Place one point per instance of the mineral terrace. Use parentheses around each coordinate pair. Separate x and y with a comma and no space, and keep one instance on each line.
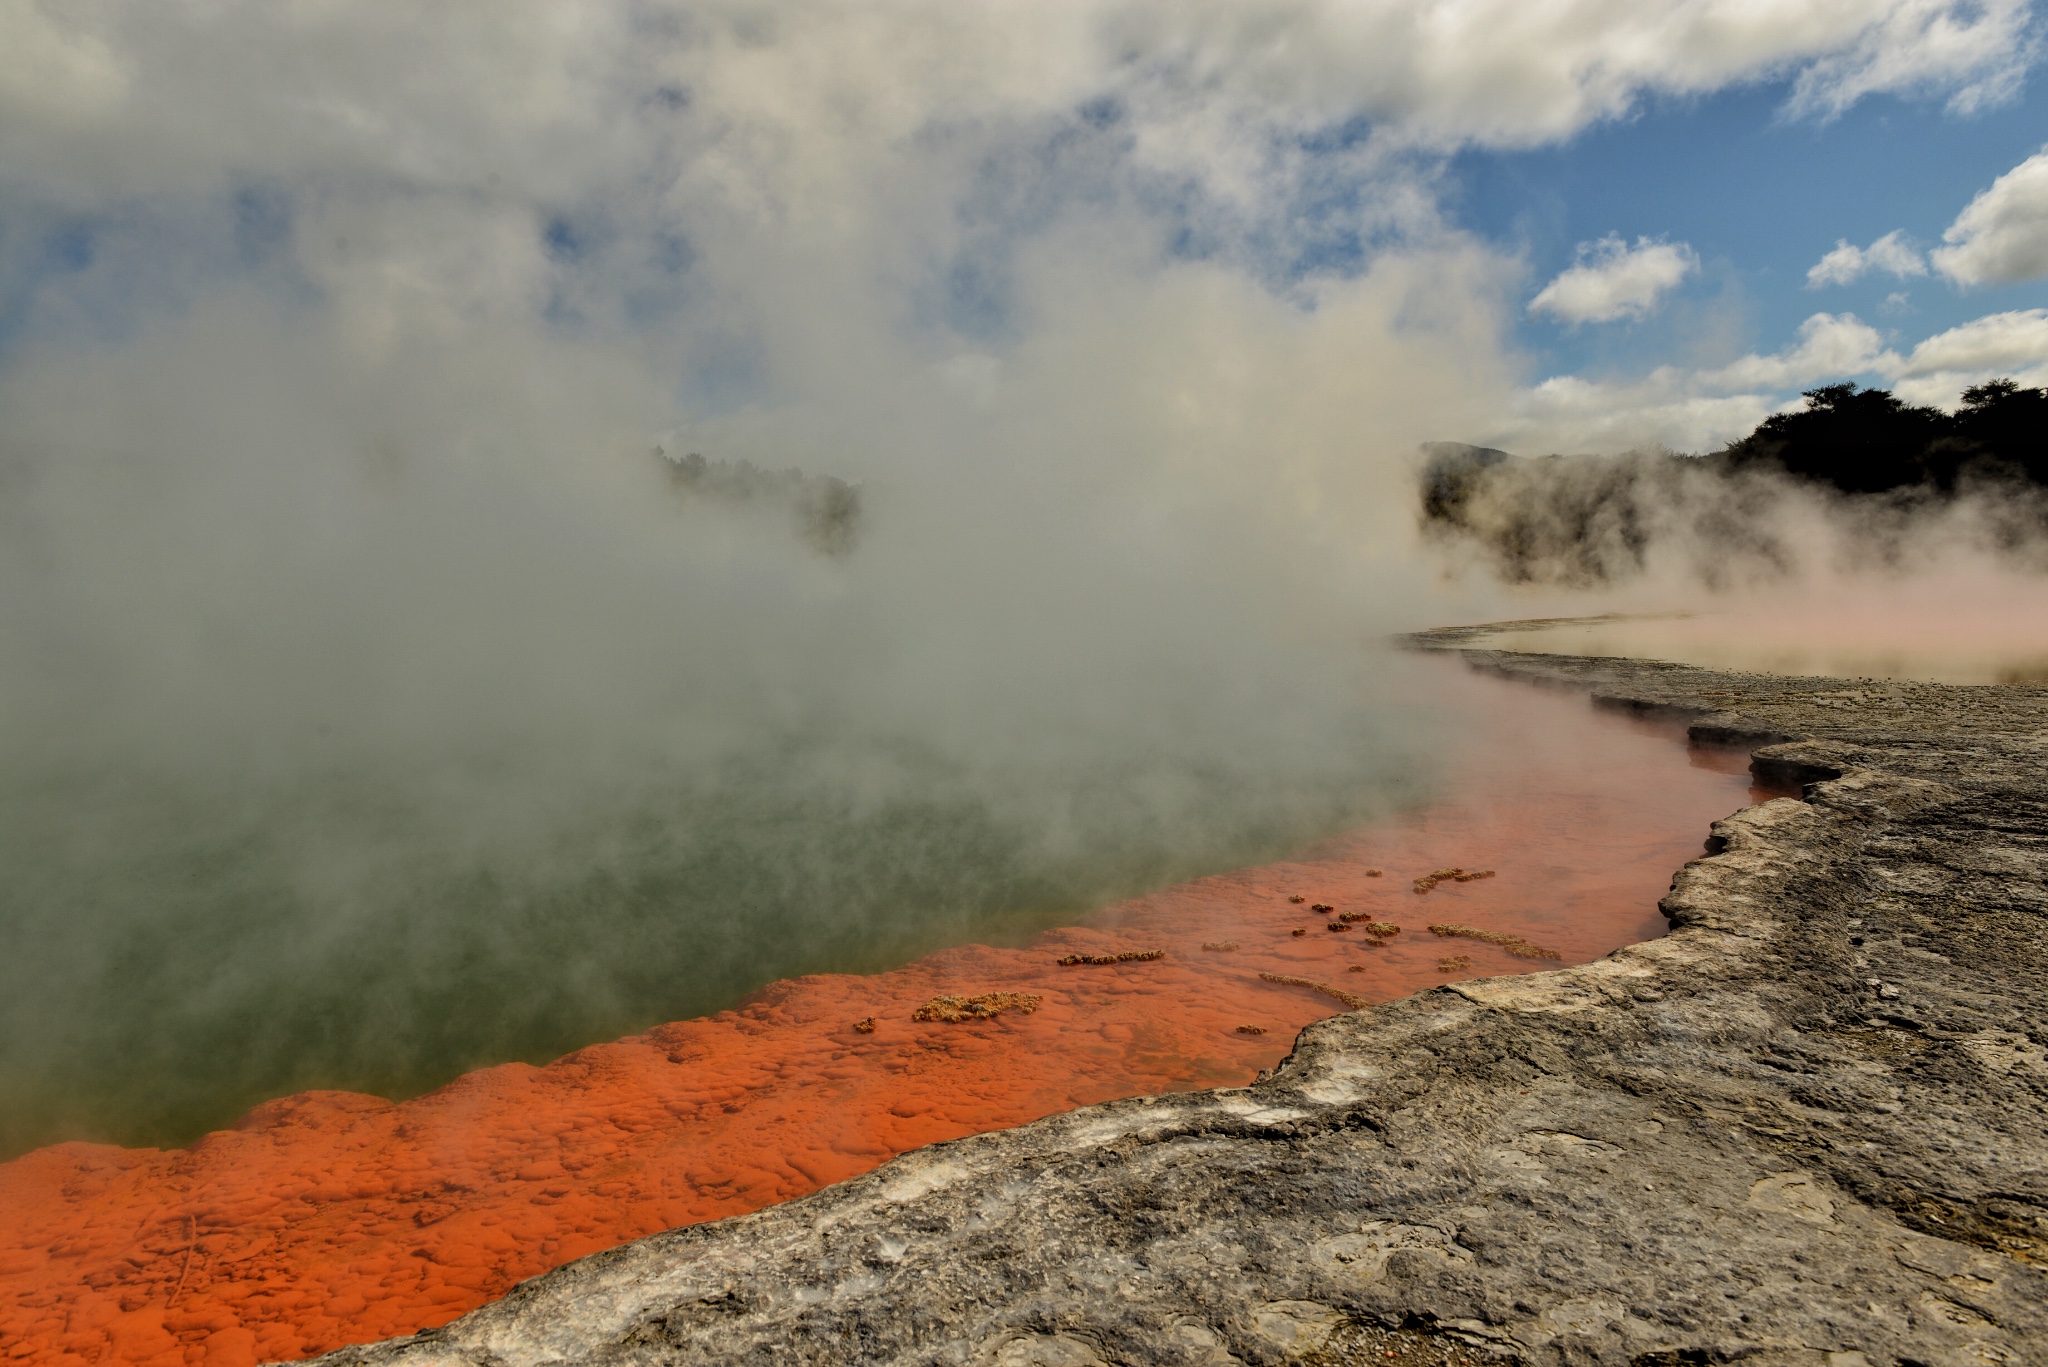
(1808,1126)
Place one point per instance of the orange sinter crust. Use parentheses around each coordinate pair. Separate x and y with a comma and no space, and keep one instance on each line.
(329,1217)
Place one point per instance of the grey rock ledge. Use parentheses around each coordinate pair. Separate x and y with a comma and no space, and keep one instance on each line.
(1809,1126)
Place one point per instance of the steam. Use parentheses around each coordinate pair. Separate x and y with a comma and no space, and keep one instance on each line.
(376,716)
(1651,524)
(373,704)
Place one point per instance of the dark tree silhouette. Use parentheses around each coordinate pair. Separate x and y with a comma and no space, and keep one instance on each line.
(1869,441)
(1862,441)
(2003,429)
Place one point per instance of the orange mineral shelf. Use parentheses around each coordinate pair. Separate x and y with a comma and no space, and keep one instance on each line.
(329,1217)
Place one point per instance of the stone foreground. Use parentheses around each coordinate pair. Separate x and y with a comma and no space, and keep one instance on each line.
(1809,1126)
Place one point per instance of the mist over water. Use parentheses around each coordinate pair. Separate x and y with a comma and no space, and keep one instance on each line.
(375,702)
(182,950)
(357,752)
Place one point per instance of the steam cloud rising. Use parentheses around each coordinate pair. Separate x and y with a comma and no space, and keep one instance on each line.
(1853,481)
(374,704)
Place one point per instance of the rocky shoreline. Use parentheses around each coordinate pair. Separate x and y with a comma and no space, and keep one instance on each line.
(1808,1126)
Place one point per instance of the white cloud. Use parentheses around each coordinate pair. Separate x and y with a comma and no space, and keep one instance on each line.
(144,91)
(1613,280)
(56,69)
(1975,54)
(1847,263)
(1840,266)
(2002,236)
(1510,73)
(1829,346)
(1700,409)
(1997,340)
(2010,345)
(1694,410)
(1568,414)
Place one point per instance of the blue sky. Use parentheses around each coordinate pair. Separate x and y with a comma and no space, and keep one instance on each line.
(1761,197)
(1758,195)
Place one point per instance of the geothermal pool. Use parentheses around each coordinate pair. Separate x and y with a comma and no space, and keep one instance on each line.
(326,1218)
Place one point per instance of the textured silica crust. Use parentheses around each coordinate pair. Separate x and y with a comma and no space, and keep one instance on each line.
(1809,1126)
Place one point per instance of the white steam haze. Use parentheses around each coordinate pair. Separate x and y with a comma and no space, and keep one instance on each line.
(371,706)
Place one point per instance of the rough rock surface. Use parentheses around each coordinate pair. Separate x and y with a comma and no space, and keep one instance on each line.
(1810,1126)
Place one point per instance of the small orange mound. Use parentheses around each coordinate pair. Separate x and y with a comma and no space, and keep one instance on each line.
(1336,993)
(1513,944)
(985,1007)
(1454,875)
(1129,956)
